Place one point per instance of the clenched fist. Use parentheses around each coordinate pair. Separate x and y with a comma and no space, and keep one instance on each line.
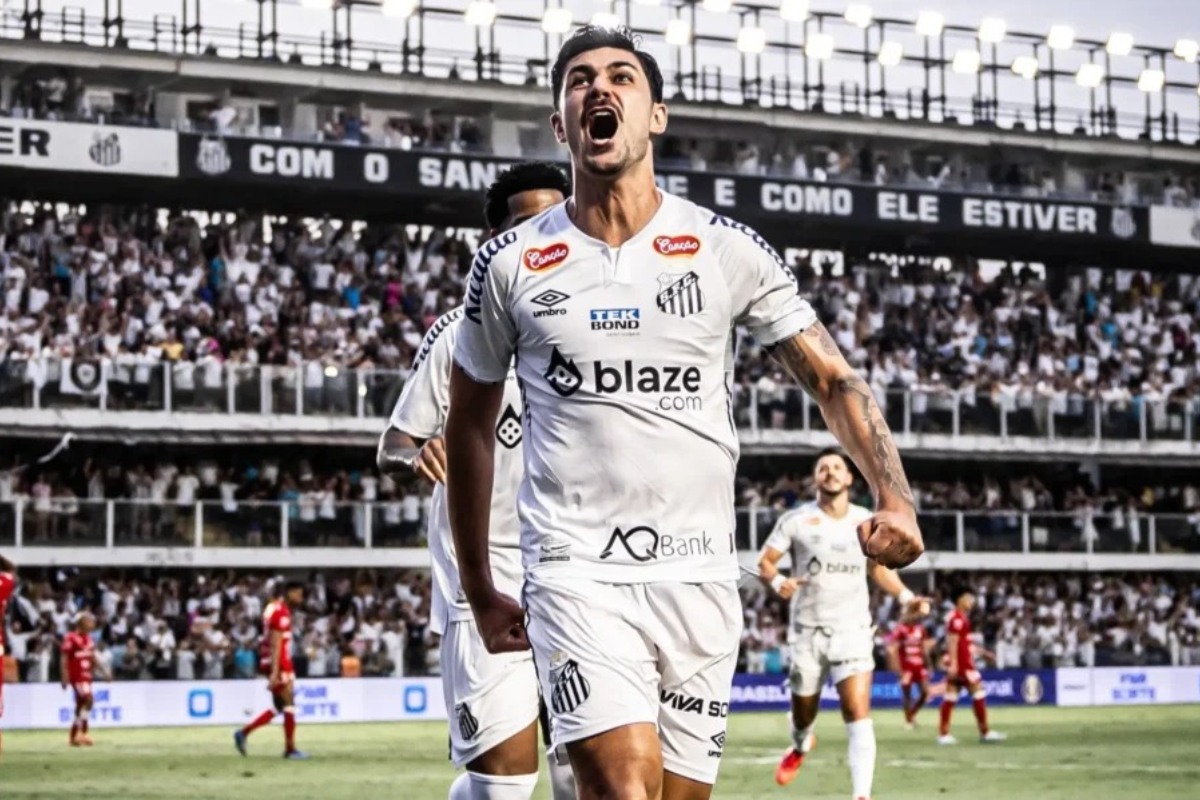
(501,624)
(892,538)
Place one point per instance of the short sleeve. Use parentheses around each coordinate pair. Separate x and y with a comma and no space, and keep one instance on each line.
(956,625)
(7,584)
(488,337)
(780,538)
(765,295)
(421,410)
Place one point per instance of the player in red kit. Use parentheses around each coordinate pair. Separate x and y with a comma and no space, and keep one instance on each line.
(275,661)
(908,655)
(78,661)
(961,673)
(8,582)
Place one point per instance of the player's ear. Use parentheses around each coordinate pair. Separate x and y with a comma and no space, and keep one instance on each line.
(560,130)
(658,119)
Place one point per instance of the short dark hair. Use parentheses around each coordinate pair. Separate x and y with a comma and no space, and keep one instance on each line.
(524,177)
(957,592)
(835,451)
(594,37)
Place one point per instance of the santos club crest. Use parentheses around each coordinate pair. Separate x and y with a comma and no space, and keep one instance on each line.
(680,295)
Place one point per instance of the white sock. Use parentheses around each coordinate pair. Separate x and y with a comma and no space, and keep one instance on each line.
(562,779)
(473,786)
(800,738)
(861,754)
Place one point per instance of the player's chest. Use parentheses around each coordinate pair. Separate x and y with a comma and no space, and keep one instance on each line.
(633,298)
(830,550)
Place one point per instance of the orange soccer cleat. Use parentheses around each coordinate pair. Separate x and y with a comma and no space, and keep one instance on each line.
(791,762)
(85,740)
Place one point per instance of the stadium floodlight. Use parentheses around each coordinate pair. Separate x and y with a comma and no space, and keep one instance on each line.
(819,46)
(890,53)
(751,39)
(992,30)
(557,20)
(679,32)
(1152,80)
(1026,67)
(858,14)
(605,19)
(480,13)
(930,23)
(398,9)
(1090,75)
(1060,37)
(793,10)
(966,62)
(718,6)
(1188,50)
(1119,44)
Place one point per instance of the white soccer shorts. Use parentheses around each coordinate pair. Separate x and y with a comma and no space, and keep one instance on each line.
(818,653)
(610,655)
(489,698)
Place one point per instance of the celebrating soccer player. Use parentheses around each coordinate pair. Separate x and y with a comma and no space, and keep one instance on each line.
(493,699)
(908,656)
(621,304)
(275,661)
(78,661)
(831,634)
(961,673)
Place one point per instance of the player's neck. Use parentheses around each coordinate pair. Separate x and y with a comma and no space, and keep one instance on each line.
(615,211)
(835,506)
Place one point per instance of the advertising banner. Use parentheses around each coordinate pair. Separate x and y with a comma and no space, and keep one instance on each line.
(1175,227)
(84,147)
(1004,687)
(751,199)
(1128,686)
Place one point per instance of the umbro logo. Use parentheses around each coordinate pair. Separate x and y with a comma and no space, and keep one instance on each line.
(549,299)
(718,741)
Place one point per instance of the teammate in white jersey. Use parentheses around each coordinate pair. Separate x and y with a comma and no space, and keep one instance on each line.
(620,306)
(830,633)
(494,699)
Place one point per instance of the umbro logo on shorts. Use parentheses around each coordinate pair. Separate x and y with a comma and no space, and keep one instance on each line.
(508,429)
(468,726)
(568,687)
(680,294)
(718,741)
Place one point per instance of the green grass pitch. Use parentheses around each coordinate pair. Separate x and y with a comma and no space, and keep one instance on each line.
(1053,754)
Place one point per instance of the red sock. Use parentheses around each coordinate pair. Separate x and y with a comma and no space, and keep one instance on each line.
(947,710)
(980,704)
(262,719)
(289,730)
(74,730)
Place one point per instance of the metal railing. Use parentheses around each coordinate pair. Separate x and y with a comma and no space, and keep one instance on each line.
(316,389)
(429,56)
(74,522)
(71,522)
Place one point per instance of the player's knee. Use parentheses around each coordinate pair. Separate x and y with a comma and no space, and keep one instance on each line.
(501,787)
(979,694)
(632,776)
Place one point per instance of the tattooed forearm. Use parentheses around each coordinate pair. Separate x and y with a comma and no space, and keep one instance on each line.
(849,409)
(878,437)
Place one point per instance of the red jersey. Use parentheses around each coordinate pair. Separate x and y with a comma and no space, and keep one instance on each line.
(79,650)
(911,641)
(276,617)
(959,625)
(8,582)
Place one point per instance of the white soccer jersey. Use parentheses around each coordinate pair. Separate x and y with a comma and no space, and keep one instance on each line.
(421,413)
(625,359)
(827,554)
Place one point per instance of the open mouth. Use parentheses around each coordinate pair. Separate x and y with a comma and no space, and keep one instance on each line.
(601,125)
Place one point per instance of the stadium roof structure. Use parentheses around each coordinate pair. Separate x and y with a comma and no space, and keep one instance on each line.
(778,54)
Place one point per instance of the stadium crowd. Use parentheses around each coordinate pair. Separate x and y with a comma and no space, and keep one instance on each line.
(197,625)
(144,289)
(208,625)
(1026,620)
